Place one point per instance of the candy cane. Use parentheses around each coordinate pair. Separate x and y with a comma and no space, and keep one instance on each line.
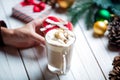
(53,23)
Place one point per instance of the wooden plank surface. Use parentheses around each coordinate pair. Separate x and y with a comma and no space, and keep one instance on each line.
(91,58)
(100,50)
(85,54)
(5,71)
(15,68)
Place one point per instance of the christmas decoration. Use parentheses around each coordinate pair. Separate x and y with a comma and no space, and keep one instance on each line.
(52,22)
(114,32)
(100,27)
(28,10)
(65,4)
(115,73)
(77,11)
(116,61)
(91,8)
(102,15)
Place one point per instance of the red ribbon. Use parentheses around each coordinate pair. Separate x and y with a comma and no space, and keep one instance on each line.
(37,6)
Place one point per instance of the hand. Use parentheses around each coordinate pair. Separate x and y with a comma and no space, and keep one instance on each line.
(24,37)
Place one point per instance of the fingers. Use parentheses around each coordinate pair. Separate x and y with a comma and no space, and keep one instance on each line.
(38,38)
(37,22)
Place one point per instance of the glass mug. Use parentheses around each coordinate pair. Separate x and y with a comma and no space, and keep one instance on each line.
(59,57)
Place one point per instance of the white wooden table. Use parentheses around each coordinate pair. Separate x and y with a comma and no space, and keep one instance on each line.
(91,58)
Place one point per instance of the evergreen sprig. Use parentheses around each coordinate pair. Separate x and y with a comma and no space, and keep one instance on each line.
(76,12)
(90,16)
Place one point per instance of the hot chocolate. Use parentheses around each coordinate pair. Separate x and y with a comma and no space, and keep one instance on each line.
(59,44)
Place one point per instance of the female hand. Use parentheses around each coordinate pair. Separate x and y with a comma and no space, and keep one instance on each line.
(24,37)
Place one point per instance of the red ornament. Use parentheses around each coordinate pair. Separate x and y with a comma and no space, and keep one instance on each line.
(68,25)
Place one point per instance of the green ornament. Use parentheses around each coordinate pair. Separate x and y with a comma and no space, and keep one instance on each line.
(102,15)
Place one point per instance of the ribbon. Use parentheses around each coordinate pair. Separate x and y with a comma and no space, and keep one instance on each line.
(38,6)
(60,24)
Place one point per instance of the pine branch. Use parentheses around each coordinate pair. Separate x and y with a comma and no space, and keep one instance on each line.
(78,7)
(116,9)
(76,12)
(78,15)
(89,19)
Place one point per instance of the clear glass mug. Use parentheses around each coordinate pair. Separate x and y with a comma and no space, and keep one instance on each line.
(59,57)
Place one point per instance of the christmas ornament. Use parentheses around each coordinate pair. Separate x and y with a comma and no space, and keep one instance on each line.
(99,28)
(65,4)
(102,15)
(52,22)
(114,32)
(115,73)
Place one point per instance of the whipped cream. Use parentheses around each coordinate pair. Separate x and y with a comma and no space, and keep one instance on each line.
(60,37)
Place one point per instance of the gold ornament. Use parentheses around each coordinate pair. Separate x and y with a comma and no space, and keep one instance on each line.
(100,27)
(65,3)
